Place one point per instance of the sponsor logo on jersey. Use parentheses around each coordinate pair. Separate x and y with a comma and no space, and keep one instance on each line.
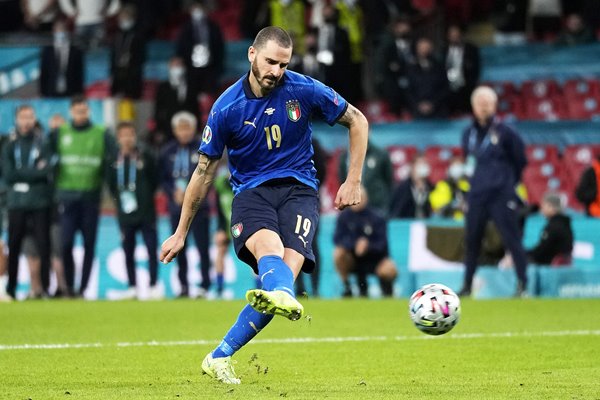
(237,229)
(269,111)
(293,110)
(206,135)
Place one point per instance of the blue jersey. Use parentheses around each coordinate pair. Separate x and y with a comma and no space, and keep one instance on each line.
(270,137)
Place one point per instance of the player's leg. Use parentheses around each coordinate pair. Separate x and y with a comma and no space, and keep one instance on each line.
(344,264)
(200,231)
(182,262)
(70,212)
(476,219)
(89,231)
(504,215)
(386,271)
(128,233)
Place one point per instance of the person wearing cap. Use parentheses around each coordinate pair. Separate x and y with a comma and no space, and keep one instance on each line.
(556,241)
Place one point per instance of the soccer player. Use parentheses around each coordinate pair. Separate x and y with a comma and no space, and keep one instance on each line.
(264,120)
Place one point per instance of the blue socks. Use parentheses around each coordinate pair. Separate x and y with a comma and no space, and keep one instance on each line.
(248,324)
(274,275)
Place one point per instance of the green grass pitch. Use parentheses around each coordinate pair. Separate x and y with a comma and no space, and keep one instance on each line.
(355,349)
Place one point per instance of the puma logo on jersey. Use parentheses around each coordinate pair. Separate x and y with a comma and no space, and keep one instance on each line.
(304,242)
(251,123)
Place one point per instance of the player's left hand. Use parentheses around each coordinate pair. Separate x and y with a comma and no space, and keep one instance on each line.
(348,195)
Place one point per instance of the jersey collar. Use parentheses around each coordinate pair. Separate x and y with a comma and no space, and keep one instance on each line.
(248,91)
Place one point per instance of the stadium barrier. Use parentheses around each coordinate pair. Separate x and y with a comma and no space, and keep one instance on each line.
(417,265)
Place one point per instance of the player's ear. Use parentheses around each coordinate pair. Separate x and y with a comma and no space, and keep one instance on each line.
(251,54)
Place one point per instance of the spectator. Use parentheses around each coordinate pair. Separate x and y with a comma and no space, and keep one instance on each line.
(27,172)
(39,15)
(178,160)
(201,47)
(88,17)
(587,191)
(427,92)
(498,154)
(377,175)
(510,19)
(290,14)
(575,32)
(3,270)
(462,69)
(82,150)
(132,179)
(128,54)
(545,18)
(333,54)
(361,247)
(393,57)
(411,198)
(222,237)
(448,198)
(351,19)
(556,241)
(308,64)
(172,96)
(61,65)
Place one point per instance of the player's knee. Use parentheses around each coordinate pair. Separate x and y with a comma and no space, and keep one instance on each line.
(387,269)
(342,258)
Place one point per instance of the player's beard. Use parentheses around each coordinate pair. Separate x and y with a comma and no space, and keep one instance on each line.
(264,83)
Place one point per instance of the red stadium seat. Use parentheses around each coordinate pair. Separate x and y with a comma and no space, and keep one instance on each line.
(377,111)
(577,158)
(541,89)
(401,157)
(546,109)
(538,154)
(581,88)
(436,154)
(584,107)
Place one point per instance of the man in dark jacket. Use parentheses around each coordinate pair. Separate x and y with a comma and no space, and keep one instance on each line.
(587,190)
(132,179)
(61,65)
(462,68)
(361,247)
(556,241)
(496,154)
(27,172)
(410,199)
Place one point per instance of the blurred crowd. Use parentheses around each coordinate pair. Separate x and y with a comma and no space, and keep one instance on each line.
(413,54)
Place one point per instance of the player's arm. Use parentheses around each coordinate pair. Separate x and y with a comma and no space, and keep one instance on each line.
(196,191)
(358,132)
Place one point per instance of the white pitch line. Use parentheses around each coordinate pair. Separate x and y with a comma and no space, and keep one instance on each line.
(341,339)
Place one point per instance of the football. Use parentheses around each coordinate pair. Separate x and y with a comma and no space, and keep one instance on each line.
(434,309)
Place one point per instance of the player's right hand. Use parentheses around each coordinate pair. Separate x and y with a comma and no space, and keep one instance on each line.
(348,195)
(171,247)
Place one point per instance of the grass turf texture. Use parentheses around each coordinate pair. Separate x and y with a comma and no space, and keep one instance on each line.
(398,362)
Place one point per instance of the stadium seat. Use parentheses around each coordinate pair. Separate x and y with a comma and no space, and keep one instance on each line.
(577,158)
(541,89)
(581,88)
(401,157)
(377,111)
(587,107)
(546,109)
(538,154)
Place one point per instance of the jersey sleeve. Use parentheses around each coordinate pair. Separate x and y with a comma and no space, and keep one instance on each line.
(214,135)
(328,103)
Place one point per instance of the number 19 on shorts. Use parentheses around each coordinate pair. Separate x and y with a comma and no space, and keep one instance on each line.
(302,226)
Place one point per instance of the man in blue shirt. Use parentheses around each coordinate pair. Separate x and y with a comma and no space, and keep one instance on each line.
(496,155)
(264,120)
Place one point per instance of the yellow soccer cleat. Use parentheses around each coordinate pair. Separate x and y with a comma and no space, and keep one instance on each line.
(276,302)
(221,369)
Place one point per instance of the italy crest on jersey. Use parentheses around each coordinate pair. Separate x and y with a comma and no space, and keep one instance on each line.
(293,110)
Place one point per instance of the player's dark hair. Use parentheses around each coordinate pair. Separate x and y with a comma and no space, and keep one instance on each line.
(23,107)
(125,124)
(279,35)
(78,99)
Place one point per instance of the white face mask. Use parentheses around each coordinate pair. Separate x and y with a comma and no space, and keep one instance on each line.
(176,73)
(126,24)
(456,171)
(422,170)
(197,14)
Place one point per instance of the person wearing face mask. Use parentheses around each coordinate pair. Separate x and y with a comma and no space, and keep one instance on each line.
(392,58)
(172,96)
(428,89)
(410,199)
(177,163)
(128,54)
(28,174)
(448,197)
(496,154)
(201,46)
(82,150)
(61,65)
